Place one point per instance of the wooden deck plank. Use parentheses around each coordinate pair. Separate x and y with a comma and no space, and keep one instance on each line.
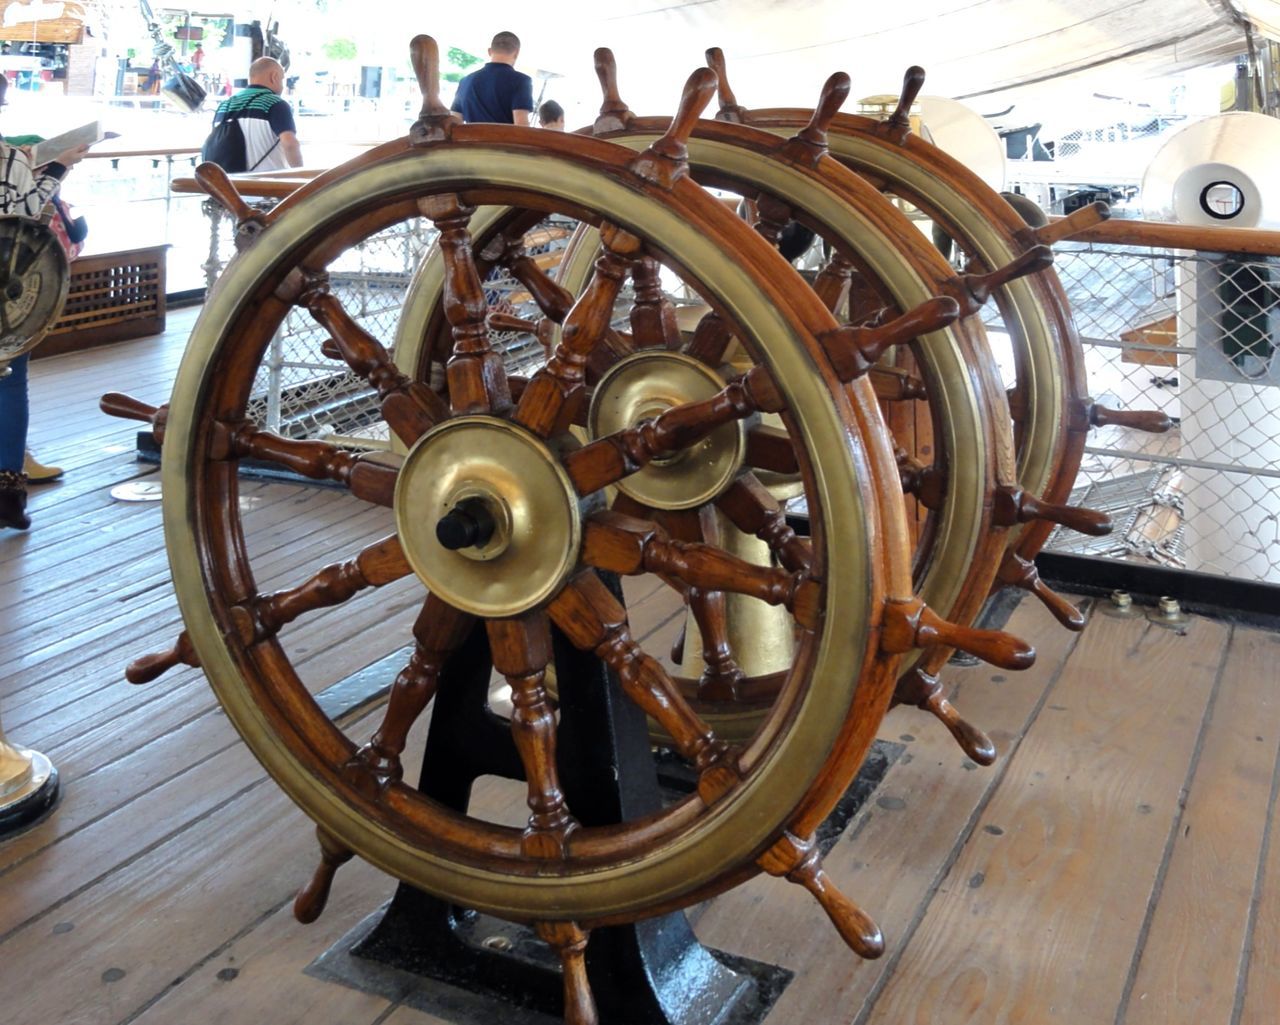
(1258,991)
(259,977)
(894,853)
(1190,965)
(1040,914)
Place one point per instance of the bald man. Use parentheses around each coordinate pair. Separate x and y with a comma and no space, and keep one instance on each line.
(265,119)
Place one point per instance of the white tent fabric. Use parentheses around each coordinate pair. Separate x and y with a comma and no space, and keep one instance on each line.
(780,52)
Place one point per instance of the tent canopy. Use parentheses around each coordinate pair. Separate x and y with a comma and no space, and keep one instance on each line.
(779,53)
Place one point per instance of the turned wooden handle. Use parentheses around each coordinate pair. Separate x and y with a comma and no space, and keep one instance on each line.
(506,322)
(854,350)
(912,83)
(1019,572)
(973,741)
(1150,420)
(697,93)
(666,161)
(152,667)
(910,623)
(715,61)
(993,646)
(1074,223)
(312,898)
(1074,517)
(126,407)
(424,54)
(607,73)
(1011,506)
(854,925)
(931,315)
(329,347)
(213,180)
(834,92)
(570,943)
(1037,258)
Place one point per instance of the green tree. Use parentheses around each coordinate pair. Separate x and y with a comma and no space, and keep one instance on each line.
(340,50)
(461,60)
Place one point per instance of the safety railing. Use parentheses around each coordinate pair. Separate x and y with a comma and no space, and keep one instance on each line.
(1186,320)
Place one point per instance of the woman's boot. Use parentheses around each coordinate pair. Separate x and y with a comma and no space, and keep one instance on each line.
(13,500)
(37,472)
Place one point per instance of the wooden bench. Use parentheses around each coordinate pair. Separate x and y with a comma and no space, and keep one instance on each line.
(112,297)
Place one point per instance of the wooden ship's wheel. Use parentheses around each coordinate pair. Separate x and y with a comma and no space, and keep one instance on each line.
(961,547)
(34,278)
(500,513)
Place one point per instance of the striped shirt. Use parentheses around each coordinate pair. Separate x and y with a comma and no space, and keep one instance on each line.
(262,116)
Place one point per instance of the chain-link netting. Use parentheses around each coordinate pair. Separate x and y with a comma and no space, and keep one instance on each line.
(1192,334)
(301,393)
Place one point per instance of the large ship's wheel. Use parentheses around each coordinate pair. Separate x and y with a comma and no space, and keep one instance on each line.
(499,513)
(34,278)
(962,547)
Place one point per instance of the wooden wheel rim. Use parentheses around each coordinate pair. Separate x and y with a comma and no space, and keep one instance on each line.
(694,858)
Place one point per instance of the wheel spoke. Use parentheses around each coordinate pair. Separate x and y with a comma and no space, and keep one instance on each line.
(1011,505)
(711,340)
(770,448)
(367,479)
(594,620)
(833,281)
(553,396)
(754,511)
(377,565)
(439,629)
(972,290)
(521,650)
(893,384)
(410,408)
(653,317)
(477,378)
(507,250)
(854,350)
(926,483)
(570,944)
(621,544)
(618,455)
(721,673)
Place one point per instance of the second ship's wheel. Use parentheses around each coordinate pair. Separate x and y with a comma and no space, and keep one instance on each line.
(956,560)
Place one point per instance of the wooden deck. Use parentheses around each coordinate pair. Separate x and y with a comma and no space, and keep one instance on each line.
(1116,865)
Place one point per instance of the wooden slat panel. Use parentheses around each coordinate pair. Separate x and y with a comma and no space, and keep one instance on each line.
(1042,910)
(1191,962)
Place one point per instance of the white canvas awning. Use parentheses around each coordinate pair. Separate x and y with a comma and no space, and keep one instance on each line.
(780,52)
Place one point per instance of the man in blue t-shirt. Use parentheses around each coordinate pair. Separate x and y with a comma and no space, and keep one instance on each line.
(497,92)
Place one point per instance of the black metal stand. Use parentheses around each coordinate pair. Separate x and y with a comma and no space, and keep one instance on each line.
(650,973)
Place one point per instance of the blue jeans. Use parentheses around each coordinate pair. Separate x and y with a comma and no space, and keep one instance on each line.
(14,415)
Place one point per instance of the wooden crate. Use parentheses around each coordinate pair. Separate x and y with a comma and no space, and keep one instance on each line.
(113,297)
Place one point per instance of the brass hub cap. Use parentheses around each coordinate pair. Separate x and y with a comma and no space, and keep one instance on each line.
(487,516)
(647,384)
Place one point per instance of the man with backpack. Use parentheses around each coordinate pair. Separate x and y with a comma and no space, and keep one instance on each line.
(254,130)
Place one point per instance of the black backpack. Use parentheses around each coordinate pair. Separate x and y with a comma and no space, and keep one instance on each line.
(225,147)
